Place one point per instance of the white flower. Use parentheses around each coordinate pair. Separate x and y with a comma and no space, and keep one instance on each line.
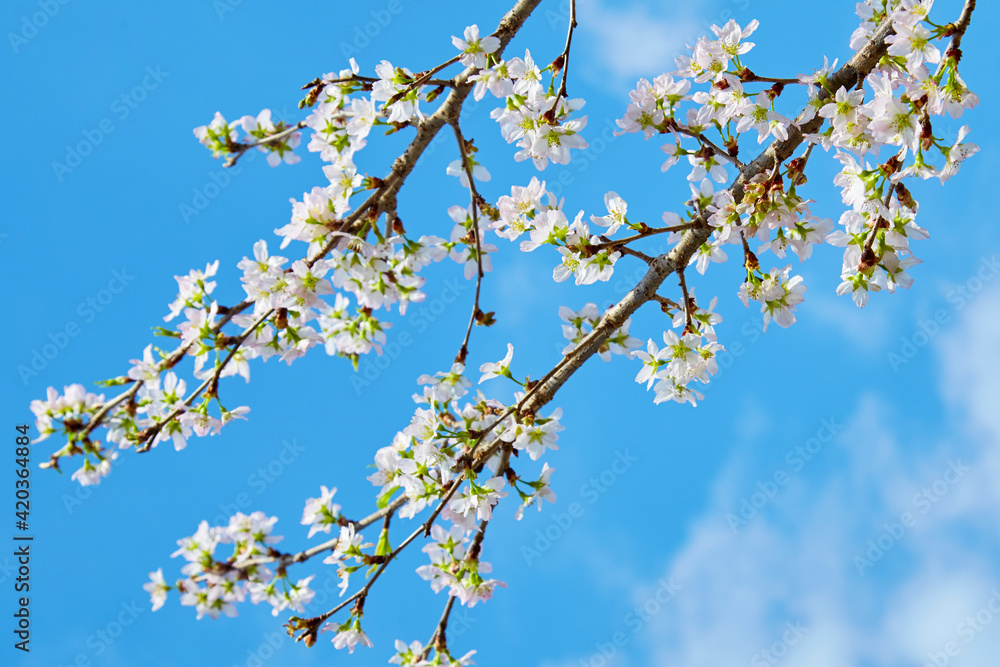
(394,81)
(479,499)
(320,514)
(491,370)
(914,43)
(350,635)
(479,172)
(474,48)
(144,369)
(894,123)
(157,589)
(778,295)
(89,474)
(759,116)
(617,207)
(542,492)
(538,437)
(730,35)
(844,107)
(217,135)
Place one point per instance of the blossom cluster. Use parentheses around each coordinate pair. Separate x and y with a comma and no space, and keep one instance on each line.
(687,356)
(534,116)
(423,461)
(214,585)
(891,113)
(579,324)
(533,210)
(451,567)
(277,140)
(456,456)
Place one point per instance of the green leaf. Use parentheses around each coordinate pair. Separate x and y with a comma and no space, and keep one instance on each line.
(385,498)
(114,382)
(383,547)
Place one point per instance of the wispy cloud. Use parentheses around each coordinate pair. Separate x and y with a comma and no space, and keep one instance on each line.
(627,42)
(865,328)
(971,363)
(788,588)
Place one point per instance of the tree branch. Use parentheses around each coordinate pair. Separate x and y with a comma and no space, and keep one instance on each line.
(243,148)
(854,71)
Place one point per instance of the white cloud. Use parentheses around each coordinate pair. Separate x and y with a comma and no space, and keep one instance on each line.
(795,561)
(971,362)
(636,41)
(753,419)
(866,328)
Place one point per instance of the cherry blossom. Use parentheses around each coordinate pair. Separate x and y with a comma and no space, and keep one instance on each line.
(217,136)
(349,635)
(355,269)
(496,369)
(475,48)
(157,589)
(320,514)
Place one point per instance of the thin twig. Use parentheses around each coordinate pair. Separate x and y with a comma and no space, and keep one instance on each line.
(464,350)
(450,83)
(649,231)
(243,148)
(422,80)
(665,303)
(705,141)
(150,433)
(437,640)
(565,58)
(686,300)
(363,592)
(753,78)
(960,26)
(625,250)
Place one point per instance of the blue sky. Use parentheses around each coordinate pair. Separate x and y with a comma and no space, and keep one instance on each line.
(650,560)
